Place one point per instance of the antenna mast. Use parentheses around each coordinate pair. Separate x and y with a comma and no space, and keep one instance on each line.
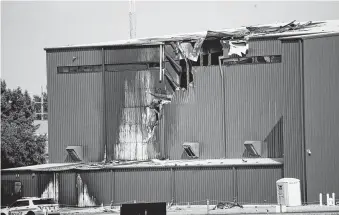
(132,19)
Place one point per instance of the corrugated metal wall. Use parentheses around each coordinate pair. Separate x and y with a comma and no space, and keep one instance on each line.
(196,116)
(67,189)
(264,47)
(132,55)
(181,185)
(29,184)
(293,132)
(46,185)
(128,115)
(321,82)
(99,185)
(75,105)
(150,185)
(196,185)
(257,185)
(253,107)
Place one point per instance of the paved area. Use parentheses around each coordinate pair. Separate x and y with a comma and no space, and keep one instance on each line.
(202,210)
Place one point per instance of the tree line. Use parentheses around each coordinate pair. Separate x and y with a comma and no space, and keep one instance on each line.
(20,145)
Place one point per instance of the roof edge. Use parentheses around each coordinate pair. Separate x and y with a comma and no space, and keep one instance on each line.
(310,36)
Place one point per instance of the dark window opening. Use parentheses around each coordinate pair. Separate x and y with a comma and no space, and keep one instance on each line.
(79,69)
(154,65)
(252,60)
(196,63)
(205,60)
(215,58)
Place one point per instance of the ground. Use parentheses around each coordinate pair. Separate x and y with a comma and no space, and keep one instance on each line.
(202,210)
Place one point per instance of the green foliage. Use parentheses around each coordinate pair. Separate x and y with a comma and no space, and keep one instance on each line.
(20,146)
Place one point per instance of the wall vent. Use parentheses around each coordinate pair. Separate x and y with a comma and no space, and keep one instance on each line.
(75,152)
(192,149)
(256,148)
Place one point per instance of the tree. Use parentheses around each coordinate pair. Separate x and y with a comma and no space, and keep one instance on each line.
(20,146)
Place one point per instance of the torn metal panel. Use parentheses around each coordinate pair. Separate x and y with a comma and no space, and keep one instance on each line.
(292,26)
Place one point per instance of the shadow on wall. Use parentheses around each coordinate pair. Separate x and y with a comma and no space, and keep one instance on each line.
(273,143)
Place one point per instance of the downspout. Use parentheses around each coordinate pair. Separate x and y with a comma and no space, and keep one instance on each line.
(303,145)
(104,130)
(223,105)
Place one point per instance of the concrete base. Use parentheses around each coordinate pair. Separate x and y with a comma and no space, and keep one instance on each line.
(280,209)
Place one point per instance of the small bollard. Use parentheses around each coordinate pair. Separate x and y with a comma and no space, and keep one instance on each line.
(320,199)
(188,205)
(333,197)
(208,204)
(135,201)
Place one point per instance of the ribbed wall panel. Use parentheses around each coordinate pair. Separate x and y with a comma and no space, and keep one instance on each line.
(29,184)
(67,189)
(264,47)
(128,115)
(44,181)
(321,75)
(196,185)
(151,185)
(196,116)
(253,107)
(75,106)
(99,185)
(293,132)
(257,185)
(132,55)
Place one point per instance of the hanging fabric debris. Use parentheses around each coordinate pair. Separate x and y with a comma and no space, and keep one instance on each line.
(239,48)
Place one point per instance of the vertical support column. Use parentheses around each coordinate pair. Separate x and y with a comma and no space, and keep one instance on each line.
(235,184)
(172,185)
(303,142)
(104,130)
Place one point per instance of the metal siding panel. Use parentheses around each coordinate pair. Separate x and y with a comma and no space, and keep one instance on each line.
(196,185)
(67,189)
(44,184)
(99,185)
(75,106)
(127,99)
(321,66)
(29,184)
(293,131)
(264,47)
(142,185)
(257,185)
(132,55)
(253,107)
(196,116)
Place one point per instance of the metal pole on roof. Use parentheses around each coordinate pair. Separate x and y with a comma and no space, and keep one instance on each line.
(132,20)
(42,103)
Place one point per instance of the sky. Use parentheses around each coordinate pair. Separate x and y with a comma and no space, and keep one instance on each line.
(28,27)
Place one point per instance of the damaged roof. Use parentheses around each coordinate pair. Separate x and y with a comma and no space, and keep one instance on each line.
(151,164)
(259,31)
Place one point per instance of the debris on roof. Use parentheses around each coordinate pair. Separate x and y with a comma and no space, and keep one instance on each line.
(277,30)
(154,163)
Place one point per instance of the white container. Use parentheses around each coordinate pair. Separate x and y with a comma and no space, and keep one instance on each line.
(288,192)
